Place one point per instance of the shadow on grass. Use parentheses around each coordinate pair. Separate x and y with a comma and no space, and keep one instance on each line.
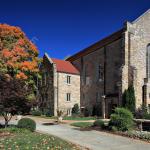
(83,129)
(50,123)
(10,126)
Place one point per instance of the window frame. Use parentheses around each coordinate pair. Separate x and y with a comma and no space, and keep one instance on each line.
(69,110)
(68,79)
(68,97)
(100,73)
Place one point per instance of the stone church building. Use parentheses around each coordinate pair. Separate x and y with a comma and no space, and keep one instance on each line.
(106,68)
(111,65)
(60,86)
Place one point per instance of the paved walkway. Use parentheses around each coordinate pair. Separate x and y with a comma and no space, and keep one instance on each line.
(93,139)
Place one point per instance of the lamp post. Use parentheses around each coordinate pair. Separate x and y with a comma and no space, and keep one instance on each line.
(103,107)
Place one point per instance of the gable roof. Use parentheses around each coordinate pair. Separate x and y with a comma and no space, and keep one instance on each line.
(97,45)
(65,66)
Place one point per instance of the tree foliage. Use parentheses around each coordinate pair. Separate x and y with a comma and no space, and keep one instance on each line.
(129,99)
(13,97)
(76,109)
(18,55)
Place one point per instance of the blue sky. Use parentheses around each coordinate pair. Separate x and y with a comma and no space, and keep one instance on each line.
(64,27)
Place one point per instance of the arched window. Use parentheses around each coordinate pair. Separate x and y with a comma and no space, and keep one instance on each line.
(148,61)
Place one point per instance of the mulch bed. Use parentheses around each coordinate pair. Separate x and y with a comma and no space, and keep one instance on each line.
(5,134)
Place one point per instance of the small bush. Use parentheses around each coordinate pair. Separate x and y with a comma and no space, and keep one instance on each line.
(27,123)
(75,109)
(147,116)
(99,123)
(114,129)
(48,113)
(140,112)
(88,111)
(122,119)
(36,113)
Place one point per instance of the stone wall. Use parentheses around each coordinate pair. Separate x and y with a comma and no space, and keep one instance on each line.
(54,87)
(124,62)
(64,88)
(138,40)
(109,58)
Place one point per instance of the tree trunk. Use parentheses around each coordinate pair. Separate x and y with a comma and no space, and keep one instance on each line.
(7,117)
(6,123)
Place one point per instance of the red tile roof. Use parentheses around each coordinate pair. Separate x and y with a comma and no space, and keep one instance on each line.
(65,66)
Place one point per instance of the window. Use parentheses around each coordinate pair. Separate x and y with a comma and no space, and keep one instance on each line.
(148,61)
(85,74)
(100,73)
(149,108)
(97,96)
(68,96)
(69,112)
(44,78)
(68,79)
(83,96)
(46,97)
(87,80)
(43,81)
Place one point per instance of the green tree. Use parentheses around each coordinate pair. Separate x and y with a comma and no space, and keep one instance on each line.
(13,97)
(129,99)
(121,120)
(75,109)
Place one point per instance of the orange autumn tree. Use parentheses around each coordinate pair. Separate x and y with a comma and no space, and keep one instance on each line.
(18,55)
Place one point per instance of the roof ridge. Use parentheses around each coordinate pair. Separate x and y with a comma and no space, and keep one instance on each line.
(60,59)
(47,56)
(141,15)
(99,44)
(65,66)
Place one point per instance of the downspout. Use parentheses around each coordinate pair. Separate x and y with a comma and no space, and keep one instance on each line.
(105,70)
(57,88)
(104,90)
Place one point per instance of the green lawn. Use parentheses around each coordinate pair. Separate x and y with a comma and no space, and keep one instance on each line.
(78,118)
(21,139)
(69,118)
(82,124)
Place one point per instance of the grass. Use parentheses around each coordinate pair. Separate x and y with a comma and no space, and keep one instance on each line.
(69,118)
(78,118)
(82,124)
(21,139)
